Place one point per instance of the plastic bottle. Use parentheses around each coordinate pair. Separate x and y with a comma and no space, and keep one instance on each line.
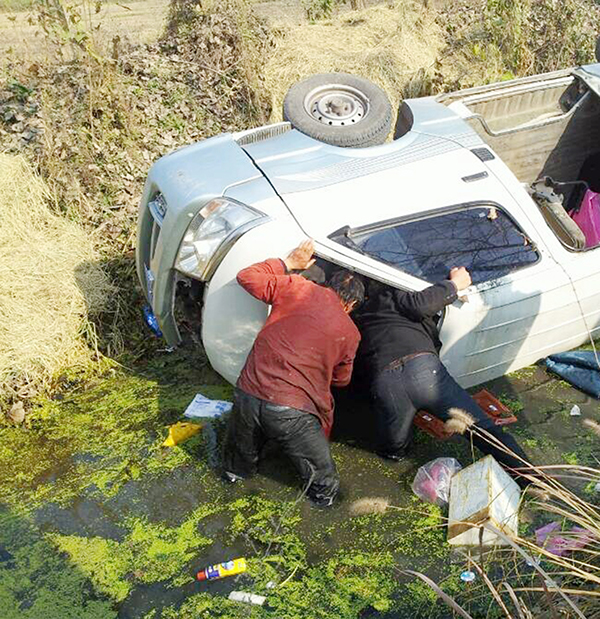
(247,598)
(221,570)
(151,321)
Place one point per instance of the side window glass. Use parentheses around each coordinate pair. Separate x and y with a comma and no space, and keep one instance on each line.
(481,238)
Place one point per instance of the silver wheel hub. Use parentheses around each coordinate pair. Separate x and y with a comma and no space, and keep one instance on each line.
(336,105)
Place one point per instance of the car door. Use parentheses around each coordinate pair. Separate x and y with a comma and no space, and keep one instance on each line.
(398,230)
(515,310)
(521,305)
(582,269)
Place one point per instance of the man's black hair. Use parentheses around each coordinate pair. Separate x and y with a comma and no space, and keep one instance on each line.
(349,286)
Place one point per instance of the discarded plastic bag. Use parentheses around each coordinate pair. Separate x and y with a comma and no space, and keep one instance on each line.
(202,407)
(181,431)
(560,542)
(587,217)
(432,481)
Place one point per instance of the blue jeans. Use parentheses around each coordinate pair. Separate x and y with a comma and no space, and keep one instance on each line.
(423,383)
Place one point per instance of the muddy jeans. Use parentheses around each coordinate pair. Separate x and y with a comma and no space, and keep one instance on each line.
(298,433)
(423,383)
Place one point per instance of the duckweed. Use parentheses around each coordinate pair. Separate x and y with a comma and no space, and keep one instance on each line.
(97,513)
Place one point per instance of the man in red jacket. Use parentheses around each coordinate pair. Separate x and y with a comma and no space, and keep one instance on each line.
(307,344)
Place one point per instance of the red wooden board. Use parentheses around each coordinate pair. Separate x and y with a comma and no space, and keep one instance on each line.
(490,405)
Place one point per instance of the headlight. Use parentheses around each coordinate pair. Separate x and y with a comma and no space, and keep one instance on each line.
(211,233)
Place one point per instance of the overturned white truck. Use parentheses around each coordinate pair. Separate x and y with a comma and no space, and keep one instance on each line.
(460,184)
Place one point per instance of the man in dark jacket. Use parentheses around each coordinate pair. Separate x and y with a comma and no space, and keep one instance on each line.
(307,344)
(399,347)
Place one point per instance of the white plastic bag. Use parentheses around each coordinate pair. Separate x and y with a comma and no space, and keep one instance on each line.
(201,407)
(432,481)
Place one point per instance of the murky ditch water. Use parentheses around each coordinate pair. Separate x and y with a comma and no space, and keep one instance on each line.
(138,504)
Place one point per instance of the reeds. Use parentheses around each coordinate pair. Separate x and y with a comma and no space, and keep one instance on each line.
(541,582)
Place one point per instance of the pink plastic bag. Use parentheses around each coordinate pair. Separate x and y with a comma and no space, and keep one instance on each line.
(432,481)
(587,217)
(560,542)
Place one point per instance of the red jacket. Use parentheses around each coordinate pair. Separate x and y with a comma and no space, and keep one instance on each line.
(307,344)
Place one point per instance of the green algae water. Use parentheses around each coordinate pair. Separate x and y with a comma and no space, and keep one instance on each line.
(99,521)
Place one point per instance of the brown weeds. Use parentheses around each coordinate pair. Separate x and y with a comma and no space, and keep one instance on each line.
(50,280)
(562,585)
(388,44)
(92,125)
(492,40)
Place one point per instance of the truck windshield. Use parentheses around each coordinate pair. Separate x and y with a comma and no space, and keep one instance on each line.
(481,238)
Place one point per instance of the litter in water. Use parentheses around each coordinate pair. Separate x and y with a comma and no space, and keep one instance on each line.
(482,493)
(432,481)
(248,598)
(222,570)
(181,431)
(560,542)
(202,407)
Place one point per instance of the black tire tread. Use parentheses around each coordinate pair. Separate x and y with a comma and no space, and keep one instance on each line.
(363,134)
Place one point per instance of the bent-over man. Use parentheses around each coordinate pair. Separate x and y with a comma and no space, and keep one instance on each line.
(307,344)
(399,349)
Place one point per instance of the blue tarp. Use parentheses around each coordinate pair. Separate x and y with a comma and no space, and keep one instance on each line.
(578,367)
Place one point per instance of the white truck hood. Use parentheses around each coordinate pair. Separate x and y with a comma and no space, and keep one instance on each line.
(327,188)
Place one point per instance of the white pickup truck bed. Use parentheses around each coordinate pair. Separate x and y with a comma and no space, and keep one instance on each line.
(540,126)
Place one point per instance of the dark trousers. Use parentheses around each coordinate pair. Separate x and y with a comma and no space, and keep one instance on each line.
(298,433)
(423,383)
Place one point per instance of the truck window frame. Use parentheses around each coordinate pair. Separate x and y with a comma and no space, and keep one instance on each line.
(346,236)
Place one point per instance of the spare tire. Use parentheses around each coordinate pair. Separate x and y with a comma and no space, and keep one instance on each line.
(339,109)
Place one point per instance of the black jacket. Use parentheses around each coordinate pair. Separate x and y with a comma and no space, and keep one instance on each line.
(394,323)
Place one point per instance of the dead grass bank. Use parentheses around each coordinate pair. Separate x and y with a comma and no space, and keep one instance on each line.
(389,44)
(91,123)
(492,40)
(50,280)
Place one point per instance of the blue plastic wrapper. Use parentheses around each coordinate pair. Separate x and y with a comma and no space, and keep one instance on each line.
(579,368)
(150,320)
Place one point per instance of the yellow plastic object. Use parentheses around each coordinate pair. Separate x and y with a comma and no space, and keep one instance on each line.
(222,570)
(181,431)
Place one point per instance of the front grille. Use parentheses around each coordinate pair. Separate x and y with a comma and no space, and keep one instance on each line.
(154,239)
(158,209)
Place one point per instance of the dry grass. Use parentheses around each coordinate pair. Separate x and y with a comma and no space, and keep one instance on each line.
(535,581)
(369,505)
(388,44)
(49,280)
(492,40)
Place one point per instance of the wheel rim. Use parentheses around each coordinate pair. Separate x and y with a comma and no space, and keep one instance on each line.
(336,105)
